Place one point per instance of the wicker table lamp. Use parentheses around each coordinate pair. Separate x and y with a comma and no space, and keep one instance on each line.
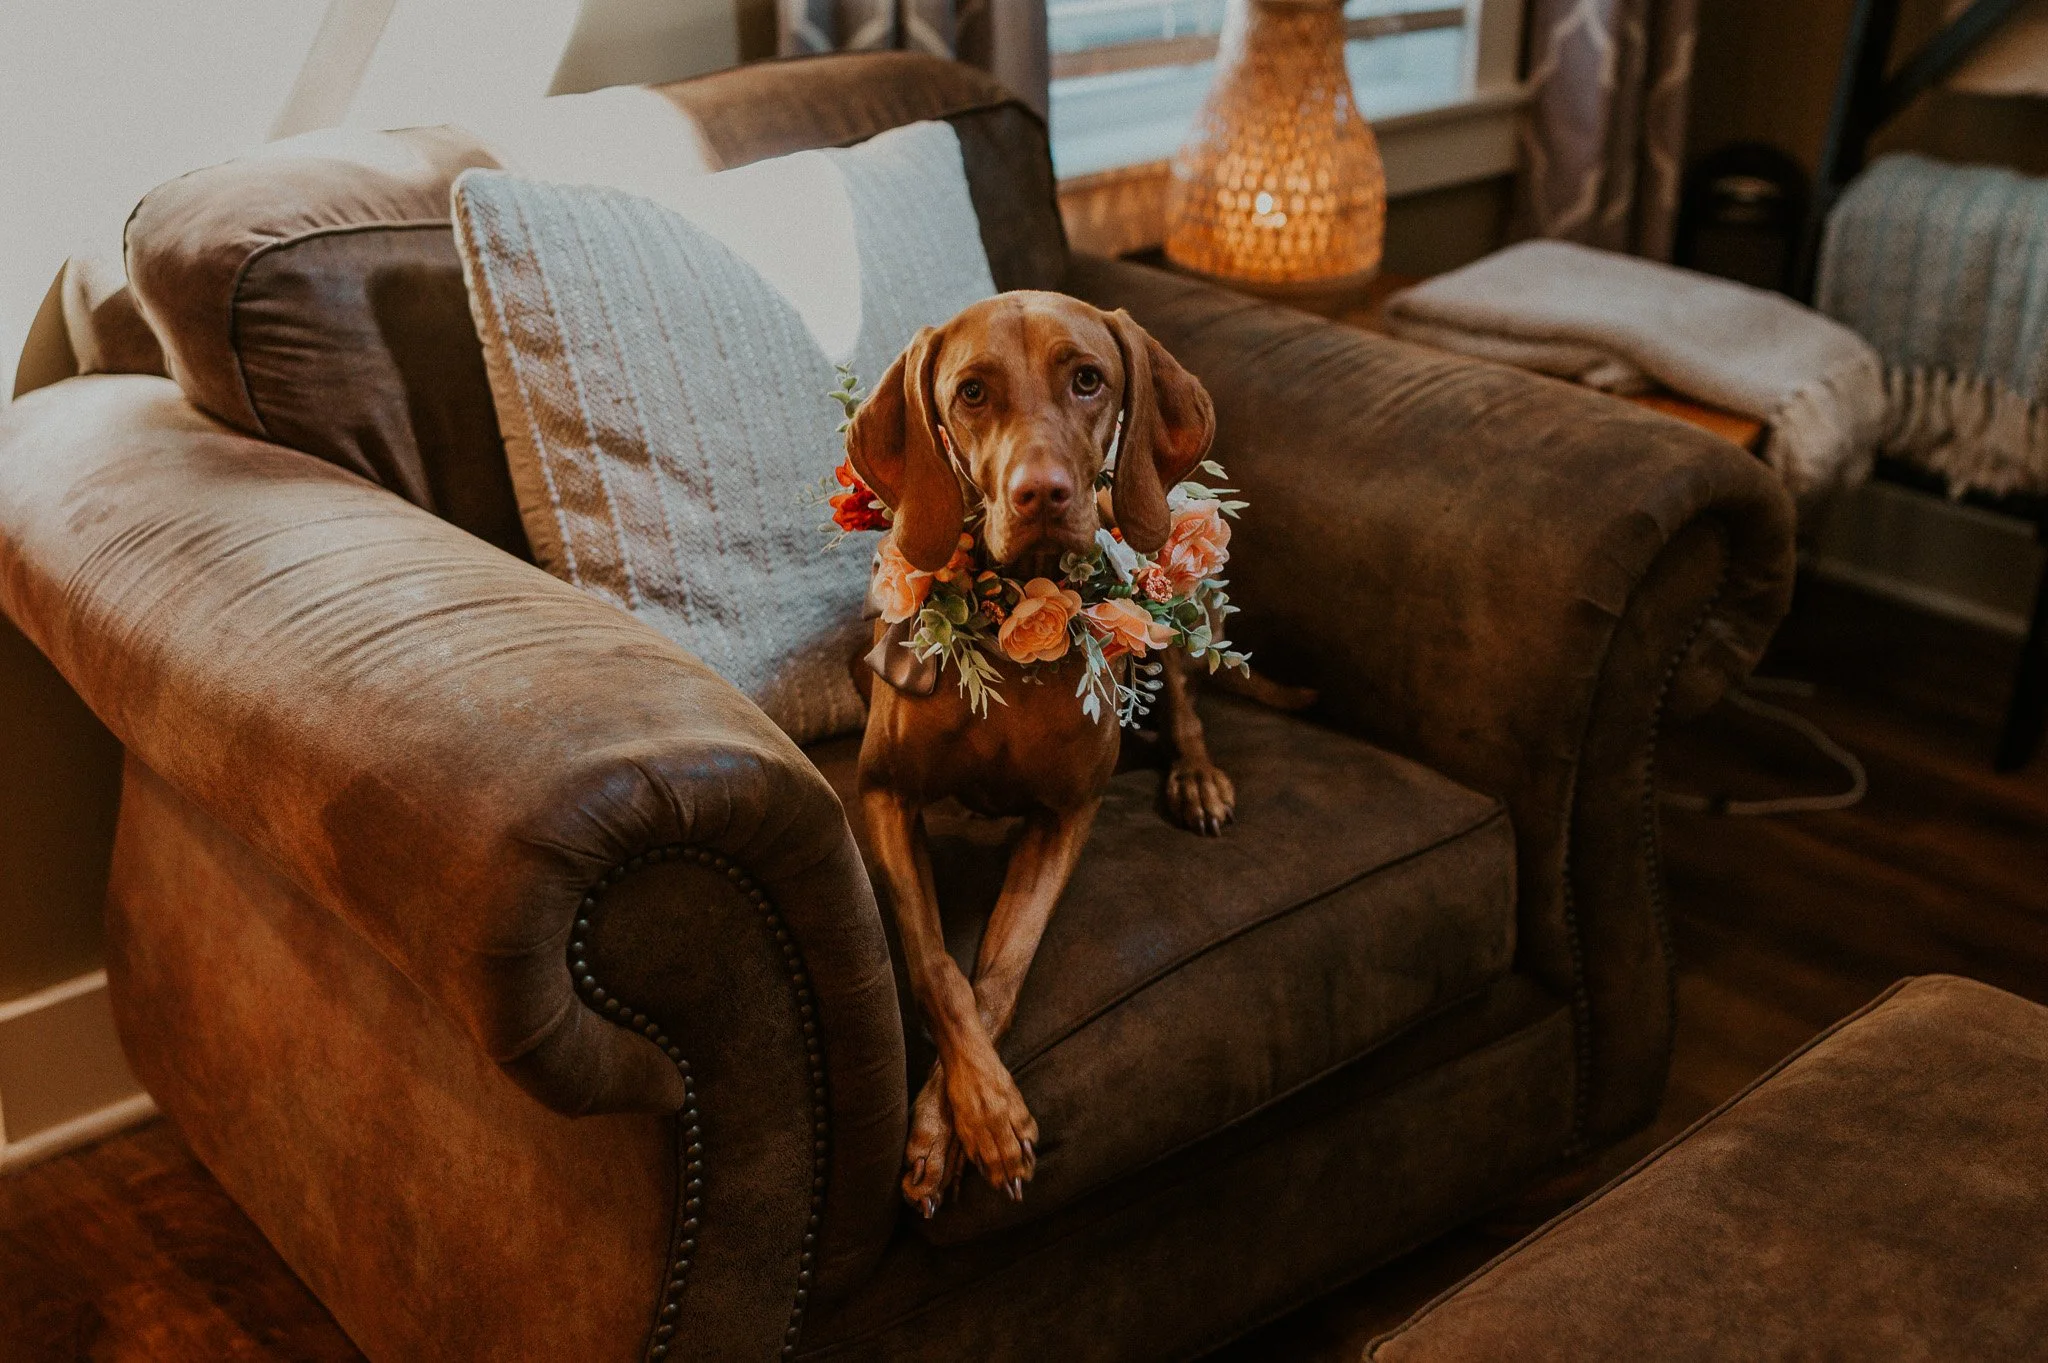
(1279,188)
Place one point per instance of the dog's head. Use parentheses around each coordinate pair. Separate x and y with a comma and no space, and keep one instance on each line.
(1015,402)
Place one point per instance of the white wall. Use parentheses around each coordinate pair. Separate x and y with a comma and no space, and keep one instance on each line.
(645,42)
(101,100)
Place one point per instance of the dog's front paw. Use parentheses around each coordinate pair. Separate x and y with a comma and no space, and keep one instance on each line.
(1200,797)
(932,1160)
(997,1132)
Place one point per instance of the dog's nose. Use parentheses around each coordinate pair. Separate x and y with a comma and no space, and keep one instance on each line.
(1040,489)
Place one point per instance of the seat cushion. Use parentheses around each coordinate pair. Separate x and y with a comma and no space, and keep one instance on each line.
(311,294)
(1185,983)
(1881,1194)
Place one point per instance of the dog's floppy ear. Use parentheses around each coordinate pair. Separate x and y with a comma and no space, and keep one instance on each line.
(894,445)
(1168,424)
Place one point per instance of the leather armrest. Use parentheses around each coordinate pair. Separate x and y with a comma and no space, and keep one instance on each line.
(468,761)
(1508,578)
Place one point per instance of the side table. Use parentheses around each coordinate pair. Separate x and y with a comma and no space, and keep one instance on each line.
(1366,309)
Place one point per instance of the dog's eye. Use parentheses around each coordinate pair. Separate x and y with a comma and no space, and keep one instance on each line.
(972,392)
(1087,381)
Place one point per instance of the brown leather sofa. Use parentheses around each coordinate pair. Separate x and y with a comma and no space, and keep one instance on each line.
(525,984)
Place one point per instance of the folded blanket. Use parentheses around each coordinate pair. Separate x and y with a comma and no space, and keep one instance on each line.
(1622,324)
(1945,270)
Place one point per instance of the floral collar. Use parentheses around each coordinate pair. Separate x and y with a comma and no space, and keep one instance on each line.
(1107,605)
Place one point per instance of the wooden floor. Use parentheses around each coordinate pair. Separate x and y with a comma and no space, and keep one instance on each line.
(129,1251)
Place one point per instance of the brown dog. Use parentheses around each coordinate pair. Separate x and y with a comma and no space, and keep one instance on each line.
(1027,389)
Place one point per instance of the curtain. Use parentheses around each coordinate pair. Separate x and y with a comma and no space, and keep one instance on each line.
(1003,37)
(1609,85)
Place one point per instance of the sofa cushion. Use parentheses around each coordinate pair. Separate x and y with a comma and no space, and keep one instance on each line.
(311,294)
(660,371)
(1186,983)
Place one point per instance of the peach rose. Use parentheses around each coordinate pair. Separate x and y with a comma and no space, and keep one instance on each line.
(1036,631)
(1124,626)
(899,589)
(1197,547)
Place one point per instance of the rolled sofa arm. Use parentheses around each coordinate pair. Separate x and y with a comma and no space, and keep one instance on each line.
(1508,578)
(480,769)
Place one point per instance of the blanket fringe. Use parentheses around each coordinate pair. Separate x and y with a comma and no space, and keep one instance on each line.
(1977,433)
(1823,435)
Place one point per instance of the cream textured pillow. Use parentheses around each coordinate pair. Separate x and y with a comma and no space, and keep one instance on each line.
(661,377)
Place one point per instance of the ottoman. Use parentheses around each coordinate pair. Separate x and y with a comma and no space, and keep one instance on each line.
(1881,1194)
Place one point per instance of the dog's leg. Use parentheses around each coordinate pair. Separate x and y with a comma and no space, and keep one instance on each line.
(1199,795)
(1038,871)
(932,1160)
(968,1069)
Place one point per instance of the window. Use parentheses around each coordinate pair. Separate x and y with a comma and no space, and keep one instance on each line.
(1129,75)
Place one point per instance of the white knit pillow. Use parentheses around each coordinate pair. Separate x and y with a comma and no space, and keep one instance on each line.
(661,375)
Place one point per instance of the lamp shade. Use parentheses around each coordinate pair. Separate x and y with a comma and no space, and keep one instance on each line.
(1279,186)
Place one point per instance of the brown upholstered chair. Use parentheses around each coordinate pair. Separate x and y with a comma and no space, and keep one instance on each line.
(525,984)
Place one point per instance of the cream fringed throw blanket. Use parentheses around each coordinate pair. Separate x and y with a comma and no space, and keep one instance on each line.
(662,380)
(1945,269)
(1622,324)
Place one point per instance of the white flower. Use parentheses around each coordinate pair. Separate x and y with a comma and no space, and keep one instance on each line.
(1121,558)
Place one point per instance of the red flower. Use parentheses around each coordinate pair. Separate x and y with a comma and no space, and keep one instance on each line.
(857,508)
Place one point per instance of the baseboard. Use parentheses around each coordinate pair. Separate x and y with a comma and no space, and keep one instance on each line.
(133,1110)
(63,1081)
(1927,552)
(1918,595)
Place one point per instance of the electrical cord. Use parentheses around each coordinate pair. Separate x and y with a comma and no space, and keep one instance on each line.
(1745,700)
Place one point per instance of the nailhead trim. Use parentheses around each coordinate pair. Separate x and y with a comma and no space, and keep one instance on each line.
(1652,843)
(1582,999)
(683,1246)
(1648,844)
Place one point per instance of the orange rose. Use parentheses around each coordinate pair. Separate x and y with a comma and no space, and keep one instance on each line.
(898,588)
(1124,626)
(1036,631)
(1197,547)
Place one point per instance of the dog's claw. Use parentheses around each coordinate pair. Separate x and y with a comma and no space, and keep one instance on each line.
(929,1208)
(1201,798)
(1016,1189)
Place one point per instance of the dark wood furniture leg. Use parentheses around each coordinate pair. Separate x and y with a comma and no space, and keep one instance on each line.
(1865,100)
(2026,715)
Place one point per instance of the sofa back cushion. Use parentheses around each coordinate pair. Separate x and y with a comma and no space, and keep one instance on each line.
(311,293)
(663,371)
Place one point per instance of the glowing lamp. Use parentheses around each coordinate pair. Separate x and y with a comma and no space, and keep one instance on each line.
(1279,186)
